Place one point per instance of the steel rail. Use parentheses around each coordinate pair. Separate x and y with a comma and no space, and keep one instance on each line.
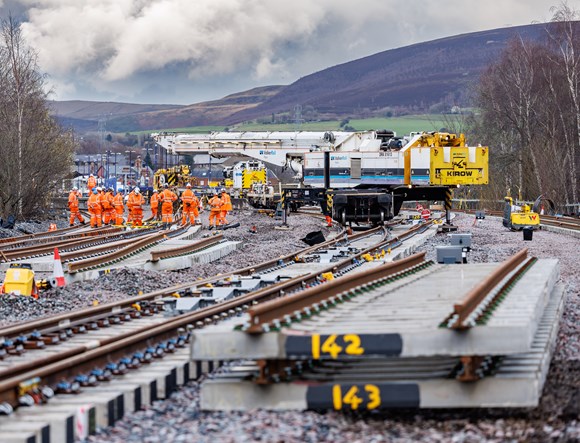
(188,249)
(99,249)
(22,328)
(278,309)
(48,248)
(64,237)
(141,243)
(121,347)
(463,309)
(39,234)
(114,307)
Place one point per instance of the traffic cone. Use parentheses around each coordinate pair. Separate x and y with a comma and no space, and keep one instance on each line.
(58,274)
(542,210)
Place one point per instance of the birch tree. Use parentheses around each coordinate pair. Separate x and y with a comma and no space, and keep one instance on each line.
(35,153)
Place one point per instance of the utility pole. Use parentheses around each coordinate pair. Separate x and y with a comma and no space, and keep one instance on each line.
(102,125)
(298,117)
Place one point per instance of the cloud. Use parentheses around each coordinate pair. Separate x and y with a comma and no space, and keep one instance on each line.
(106,43)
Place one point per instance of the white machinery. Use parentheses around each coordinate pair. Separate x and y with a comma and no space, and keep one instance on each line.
(384,169)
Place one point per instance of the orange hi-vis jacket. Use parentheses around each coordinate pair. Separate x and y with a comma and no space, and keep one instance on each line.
(91,183)
(118,201)
(190,202)
(227,202)
(102,200)
(189,199)
(73,201)
(108,204)
(167,197)
(135,201)
(215,204)
(93,203)
(154,200)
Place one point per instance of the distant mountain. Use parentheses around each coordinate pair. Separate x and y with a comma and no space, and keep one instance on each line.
(413,77)
(418,76)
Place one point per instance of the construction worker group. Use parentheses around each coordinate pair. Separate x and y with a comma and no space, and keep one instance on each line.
(106,206)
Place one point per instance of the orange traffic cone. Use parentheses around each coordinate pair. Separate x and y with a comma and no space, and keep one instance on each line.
(58,273)
(542,210)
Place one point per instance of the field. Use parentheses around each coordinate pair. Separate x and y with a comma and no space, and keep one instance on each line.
(401,125)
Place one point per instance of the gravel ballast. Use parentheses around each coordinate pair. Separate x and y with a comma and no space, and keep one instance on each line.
(179,419)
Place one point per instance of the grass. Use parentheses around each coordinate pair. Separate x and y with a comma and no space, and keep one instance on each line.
(401,125)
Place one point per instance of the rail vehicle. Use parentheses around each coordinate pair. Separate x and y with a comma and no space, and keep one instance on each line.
(518,217)
(360,177)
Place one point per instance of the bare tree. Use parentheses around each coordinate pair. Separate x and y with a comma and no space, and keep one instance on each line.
(35,153)
(564,34)
(530,113)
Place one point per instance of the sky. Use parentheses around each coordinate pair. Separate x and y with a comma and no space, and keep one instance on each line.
(189,51)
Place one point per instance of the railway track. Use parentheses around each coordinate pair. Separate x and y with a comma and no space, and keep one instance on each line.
(99,362)
(390,338)
(570,223)
(22,340)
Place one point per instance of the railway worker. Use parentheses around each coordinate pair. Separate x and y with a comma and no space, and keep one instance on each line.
(73,206)
(91,183)
(94,207)
(190,205)
(167,198)
(135,203)
(102,200)
(108,210)
(215,208)
(119,208)
(154,202)
(226,207)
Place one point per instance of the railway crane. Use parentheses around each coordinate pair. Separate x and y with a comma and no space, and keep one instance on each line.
(362,176)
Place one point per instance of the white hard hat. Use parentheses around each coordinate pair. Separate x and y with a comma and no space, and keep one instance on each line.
(75,188)
(99,188)
(188,185)
(137,190)
(154,190)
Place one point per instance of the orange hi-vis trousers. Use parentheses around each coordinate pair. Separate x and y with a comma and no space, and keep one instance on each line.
(167,212)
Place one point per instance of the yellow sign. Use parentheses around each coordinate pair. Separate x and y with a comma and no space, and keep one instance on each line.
(459,165)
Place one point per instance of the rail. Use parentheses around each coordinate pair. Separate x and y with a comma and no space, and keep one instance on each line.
(182,250)
(121,347)
(278,309)
(463,310)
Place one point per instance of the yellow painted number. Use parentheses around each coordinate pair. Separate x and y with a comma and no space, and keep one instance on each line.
(352,398)
(354,347)
(374,396)
(330,347)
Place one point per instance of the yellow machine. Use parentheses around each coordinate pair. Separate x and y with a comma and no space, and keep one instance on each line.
(174,176)
(519,217)
(19,280)
(452,162)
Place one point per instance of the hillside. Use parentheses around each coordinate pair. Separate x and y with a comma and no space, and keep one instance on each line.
(122,117)
(413,78)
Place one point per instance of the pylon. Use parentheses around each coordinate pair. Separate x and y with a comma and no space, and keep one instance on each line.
(542,210)
(58,274)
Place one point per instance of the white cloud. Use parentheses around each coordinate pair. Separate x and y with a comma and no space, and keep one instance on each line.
(106,43)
